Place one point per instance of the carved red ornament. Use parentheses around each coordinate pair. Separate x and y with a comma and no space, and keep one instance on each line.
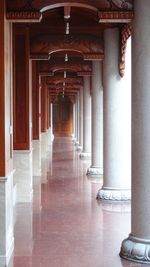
(125,33)
(115,16)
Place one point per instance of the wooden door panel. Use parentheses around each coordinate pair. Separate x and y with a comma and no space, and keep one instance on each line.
(62,117)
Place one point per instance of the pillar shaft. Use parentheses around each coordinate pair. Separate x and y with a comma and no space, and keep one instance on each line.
(80,116)
(77,118)
(36,109)
(43,104)
(117,123)
(97,121)
(22,101)
(137,246)
(86,118)
(6,166)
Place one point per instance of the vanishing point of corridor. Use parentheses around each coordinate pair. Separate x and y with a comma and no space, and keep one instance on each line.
(66,226)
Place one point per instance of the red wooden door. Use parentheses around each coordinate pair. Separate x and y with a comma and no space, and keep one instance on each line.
(62,117)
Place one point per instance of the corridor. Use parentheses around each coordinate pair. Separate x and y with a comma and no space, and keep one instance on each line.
(66,226)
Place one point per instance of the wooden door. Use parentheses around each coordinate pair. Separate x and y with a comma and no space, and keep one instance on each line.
(62,117)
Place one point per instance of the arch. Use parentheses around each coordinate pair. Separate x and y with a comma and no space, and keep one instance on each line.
(75,4)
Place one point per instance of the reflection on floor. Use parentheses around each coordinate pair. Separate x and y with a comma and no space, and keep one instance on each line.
(66,226)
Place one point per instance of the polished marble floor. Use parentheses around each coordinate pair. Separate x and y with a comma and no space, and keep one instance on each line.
(66,226)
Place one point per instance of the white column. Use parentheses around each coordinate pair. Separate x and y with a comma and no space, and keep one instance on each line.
(117,123)
(77,120)
(74,119)
(52,135)
(137,246)
(6,219)
(97,121)
(86,153)
(80,119)
(23,175)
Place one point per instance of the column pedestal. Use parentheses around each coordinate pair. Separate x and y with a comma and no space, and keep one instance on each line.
(36,157)
(108,193)
(85,155)
(93,170)
(6,219)
(23,175)
(44,157)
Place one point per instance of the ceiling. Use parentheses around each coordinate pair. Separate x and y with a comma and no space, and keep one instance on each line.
(65,36)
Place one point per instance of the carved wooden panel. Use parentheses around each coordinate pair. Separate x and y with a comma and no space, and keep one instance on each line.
(72,65)
(6,116)
(125,33)
(62,116)
(80,43)
(45,5)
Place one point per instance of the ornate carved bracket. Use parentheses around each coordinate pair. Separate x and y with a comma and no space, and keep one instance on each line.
(27,14)
(115,16)
(125,33)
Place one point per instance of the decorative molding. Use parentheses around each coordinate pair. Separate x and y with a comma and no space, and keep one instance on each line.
(46,73)
(24,16)
(95,171)
(85,155)
(114,194)
(136,249)
(40,56)
(120,4)
(79,148)
(84,73)
(98,57)
(125,33)
(76,143)
(78,44)
(115,16)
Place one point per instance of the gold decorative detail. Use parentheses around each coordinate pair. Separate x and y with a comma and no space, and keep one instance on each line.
(115,16)
(98,57)
(24,16)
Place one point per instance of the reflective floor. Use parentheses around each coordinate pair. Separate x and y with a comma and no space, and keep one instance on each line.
(66,226)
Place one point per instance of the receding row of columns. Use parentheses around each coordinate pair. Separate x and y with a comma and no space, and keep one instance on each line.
(116,148)
(113,119)
(116,129)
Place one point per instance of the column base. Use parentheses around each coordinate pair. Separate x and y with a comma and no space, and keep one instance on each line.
(85,155)
(107,193)
(23,175)
(136,249)
(76,143)
(74,139)
(95,171)
(7,219)
(79,148)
